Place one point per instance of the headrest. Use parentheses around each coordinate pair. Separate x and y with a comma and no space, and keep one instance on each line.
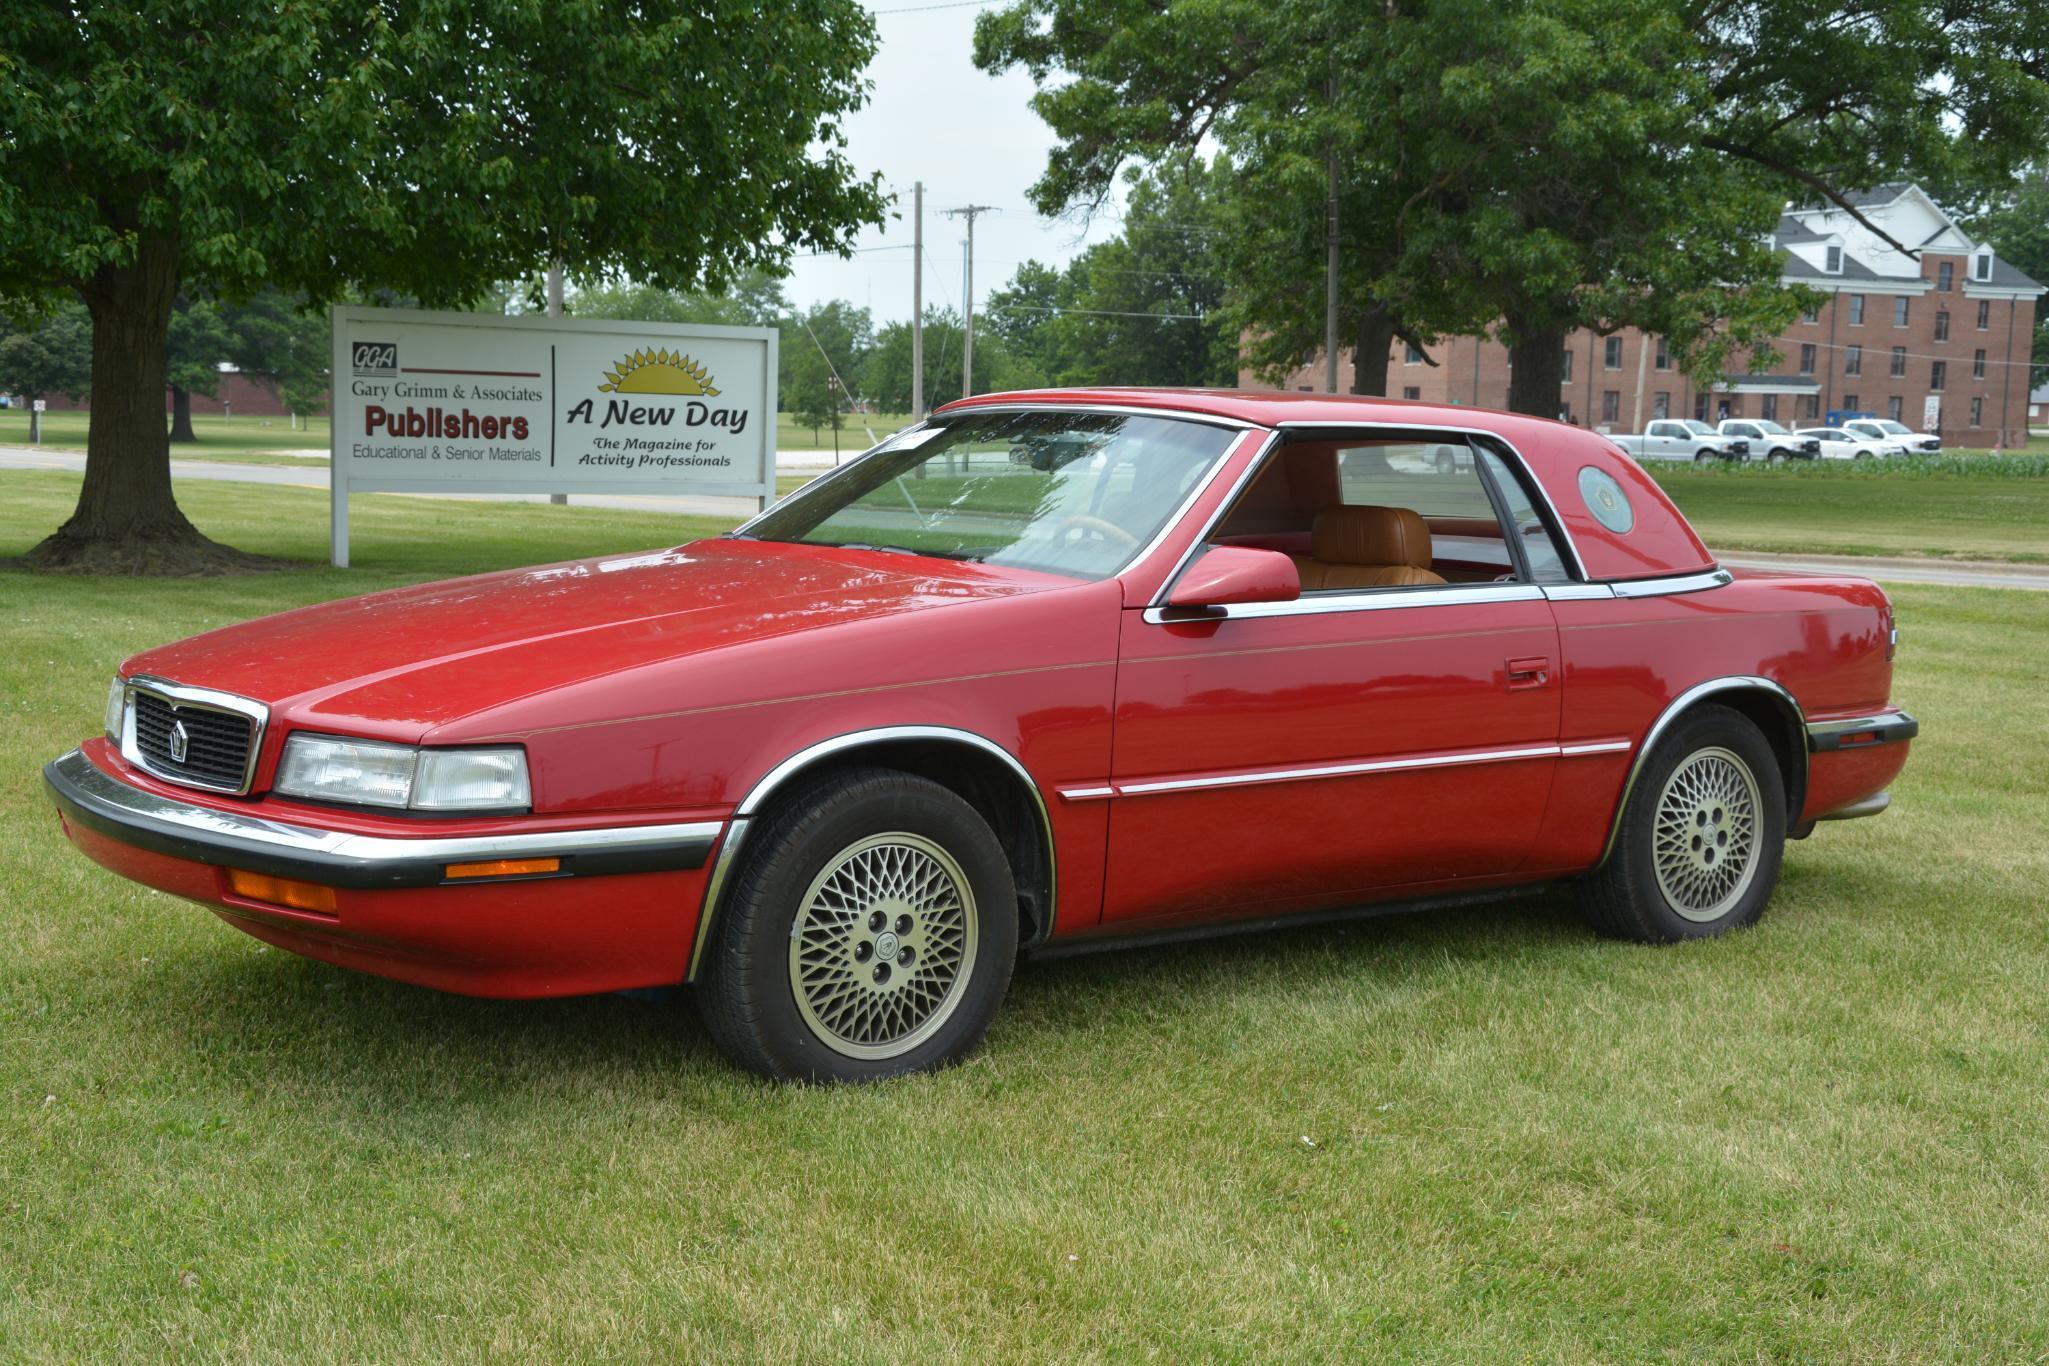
(1370,535)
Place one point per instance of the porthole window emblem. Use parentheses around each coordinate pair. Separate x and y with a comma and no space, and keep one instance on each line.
(1606,500)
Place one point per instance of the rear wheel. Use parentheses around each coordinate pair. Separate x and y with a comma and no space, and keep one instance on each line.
(1701,838)
(870,933)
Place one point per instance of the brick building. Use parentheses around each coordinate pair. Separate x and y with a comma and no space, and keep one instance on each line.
(1938,340)
(239,395)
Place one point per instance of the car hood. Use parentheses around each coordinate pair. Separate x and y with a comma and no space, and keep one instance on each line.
(396,664)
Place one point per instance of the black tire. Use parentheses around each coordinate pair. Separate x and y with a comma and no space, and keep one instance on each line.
(748,992)
(1703,456)
(1775,457)
(1626,898)
(1863,455)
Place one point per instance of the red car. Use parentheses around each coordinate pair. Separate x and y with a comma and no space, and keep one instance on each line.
(1052,670)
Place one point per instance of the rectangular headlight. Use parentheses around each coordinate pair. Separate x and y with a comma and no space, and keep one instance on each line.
(347,771)
(117,703)
(376,774)
(471,780)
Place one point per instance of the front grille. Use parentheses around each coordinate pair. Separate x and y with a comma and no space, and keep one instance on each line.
(217,743)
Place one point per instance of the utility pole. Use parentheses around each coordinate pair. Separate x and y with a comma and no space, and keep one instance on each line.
(1643,359)
(967,334)
(917,300)
(1330,239)
(555,311)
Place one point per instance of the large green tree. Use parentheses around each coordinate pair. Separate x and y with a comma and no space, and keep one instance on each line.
(47,354)
(1536,165)
(160,146)
(2014,218)
(753,298)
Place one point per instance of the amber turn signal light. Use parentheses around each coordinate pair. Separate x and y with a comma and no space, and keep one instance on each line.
(281,891)
(506,867)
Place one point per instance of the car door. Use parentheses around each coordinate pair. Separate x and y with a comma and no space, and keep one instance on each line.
(1358,741)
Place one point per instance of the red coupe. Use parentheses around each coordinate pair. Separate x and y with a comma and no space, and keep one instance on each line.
(1051,670)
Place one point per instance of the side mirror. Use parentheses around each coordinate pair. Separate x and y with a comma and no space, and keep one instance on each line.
(1227,574)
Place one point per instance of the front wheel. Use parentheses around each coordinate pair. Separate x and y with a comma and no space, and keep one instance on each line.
(1701,837)
(1703,457)
(871,932)
(1863,455)
(1777,457)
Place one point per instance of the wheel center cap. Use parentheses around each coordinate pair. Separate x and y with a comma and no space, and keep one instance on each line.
(886,944)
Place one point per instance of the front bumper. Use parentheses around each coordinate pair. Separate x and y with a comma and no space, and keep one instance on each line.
(620,912)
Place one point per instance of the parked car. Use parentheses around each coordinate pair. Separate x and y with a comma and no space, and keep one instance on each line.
(1253,658)
(1909,441)
(1768,440)
(1682,439)
(1837,443)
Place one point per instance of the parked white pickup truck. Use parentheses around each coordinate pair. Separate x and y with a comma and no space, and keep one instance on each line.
(1768,440)
(1682,439)
(1906,438)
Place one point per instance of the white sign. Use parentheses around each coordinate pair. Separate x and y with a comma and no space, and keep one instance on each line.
(474,403)
(1931,414)
(41,406)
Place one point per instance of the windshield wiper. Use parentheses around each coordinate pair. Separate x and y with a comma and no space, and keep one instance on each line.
(889,549)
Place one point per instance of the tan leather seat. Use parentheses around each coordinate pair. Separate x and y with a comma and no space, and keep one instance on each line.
(1367,547)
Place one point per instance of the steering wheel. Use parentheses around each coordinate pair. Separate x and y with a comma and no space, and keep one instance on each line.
(1108,530)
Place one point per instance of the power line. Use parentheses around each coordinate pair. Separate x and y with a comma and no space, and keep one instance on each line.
(1097,312)
(927,9)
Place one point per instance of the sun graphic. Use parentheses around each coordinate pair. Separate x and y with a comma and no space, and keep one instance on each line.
(658,372)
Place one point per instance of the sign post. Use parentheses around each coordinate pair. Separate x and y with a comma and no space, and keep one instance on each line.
(35,421)
(473,403)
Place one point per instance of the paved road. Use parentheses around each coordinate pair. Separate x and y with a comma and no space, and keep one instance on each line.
(1953,573)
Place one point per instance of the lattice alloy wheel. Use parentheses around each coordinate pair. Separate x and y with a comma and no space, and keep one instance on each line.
(1706,836)
(883,945)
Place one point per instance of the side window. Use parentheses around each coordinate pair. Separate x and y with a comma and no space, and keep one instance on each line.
(1434,478)
(1540,549)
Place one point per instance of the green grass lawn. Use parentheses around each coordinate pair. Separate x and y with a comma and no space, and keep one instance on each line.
(1825,1138)
(1966,507)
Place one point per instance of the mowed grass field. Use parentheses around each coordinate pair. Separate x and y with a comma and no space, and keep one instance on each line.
(274,441)
(1472,1135)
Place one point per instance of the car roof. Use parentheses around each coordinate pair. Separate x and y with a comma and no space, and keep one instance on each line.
(1660,541)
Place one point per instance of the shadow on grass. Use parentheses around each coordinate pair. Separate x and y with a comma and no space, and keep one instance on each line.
(358,1043)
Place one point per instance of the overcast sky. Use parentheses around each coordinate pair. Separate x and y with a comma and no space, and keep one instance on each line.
(972,139)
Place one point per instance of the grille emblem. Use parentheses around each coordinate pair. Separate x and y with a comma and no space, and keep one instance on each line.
(180,742)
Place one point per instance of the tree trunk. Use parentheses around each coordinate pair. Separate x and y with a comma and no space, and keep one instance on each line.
(127,520)
(1369,359)
(181,415)
(1537,368)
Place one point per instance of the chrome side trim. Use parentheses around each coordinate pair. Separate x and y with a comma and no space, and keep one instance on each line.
(1886,727)
(207,835)
(960,409)
(750,806)
(1376,600)
(1672,712)
(206,699)
(1863,806)
(1571,547)
(1577,592)
(1678,583)
(1403,763)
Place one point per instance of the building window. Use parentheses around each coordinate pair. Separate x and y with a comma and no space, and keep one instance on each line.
(1700,407)
(1611,356)
(1811,313)
(1853,360)
(1893,408)
(1977,412)
(1945,276)
(1942,324)
(1565,375)
(1611,405)
(1938,374)
(1661,406)
(1413,356)
(1856,310)
(1807,358)
(1984,314)
(1978,363)
(1663,359)
(1411,391)
(1899,310)
(1832,260)
(1981,266)
(1899,362)
(1849,403)
(1768,408)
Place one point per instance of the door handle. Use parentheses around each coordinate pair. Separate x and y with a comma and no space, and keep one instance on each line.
(1524,675)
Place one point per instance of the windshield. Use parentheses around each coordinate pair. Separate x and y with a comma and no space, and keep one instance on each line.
(1770,428)
(1698,428)
(1893,428)
(1073,493)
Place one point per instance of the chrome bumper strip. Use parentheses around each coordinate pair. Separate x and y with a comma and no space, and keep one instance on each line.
(104,804)
(1859,732)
